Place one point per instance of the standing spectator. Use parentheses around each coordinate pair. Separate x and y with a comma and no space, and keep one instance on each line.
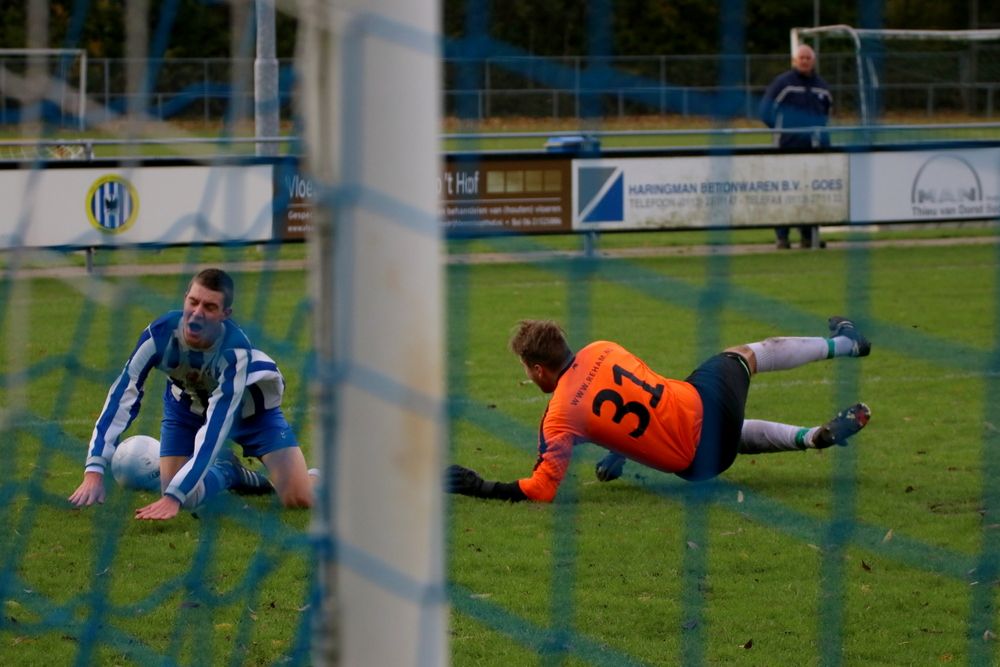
(798,98)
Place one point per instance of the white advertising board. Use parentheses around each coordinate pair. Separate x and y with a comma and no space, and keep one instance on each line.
(925,185)
(99,207)
(709,191)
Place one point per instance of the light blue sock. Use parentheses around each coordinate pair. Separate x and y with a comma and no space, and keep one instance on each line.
(217,480)
(212,484)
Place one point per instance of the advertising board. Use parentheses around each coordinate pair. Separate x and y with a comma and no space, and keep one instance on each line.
(709,191)
(958,184)
(493,195)
(96,207)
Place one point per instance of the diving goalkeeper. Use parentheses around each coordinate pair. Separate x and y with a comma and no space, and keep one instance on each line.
(693,428)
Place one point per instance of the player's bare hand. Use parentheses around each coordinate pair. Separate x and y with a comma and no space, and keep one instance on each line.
(165,508)
(90,491)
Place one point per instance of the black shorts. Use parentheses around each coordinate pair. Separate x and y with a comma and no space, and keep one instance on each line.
(723,383)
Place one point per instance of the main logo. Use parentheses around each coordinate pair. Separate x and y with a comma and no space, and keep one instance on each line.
(600,194)
(112,204)
(946,180)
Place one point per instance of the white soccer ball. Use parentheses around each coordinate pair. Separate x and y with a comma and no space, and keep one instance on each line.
(136,463)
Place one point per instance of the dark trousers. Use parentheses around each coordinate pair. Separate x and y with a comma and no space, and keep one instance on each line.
(808,233)
(723,383)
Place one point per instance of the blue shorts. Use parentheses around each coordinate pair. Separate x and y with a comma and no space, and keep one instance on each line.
(258,434)
(723,383)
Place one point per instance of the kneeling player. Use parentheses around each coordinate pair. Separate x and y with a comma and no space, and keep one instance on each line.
(218,387)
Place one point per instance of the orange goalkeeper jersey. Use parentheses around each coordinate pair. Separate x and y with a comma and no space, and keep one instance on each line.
(608,396)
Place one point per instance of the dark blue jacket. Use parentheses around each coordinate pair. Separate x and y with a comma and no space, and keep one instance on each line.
(795,100)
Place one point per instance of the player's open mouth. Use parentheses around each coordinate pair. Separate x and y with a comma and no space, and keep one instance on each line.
(194,327)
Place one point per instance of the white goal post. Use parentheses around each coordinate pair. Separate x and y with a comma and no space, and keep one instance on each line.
(865,69)
(78,55)
(369,89)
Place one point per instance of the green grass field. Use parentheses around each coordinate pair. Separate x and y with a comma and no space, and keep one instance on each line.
(95,586)
(882,553)
(866,555)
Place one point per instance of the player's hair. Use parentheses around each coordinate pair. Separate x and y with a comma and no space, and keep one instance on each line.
(541,342)
(216,280)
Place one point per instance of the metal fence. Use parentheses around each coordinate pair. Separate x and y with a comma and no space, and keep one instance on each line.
(212,90)
(964,81)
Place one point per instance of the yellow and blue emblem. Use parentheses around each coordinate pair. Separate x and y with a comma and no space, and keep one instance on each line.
(112,204)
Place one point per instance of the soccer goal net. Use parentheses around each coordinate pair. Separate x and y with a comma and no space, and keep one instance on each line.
(877,71)
(232,582)
(392,339)
(334,251)
(43,86)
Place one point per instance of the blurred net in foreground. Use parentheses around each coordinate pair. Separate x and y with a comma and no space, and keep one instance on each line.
(229,584)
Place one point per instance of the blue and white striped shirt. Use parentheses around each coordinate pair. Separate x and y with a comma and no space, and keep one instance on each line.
(229,380)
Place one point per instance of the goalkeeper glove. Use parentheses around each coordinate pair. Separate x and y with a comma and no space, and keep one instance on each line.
(467,482)
(610,467)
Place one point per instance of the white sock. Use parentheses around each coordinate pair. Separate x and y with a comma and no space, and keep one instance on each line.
(783,353)
(764,437)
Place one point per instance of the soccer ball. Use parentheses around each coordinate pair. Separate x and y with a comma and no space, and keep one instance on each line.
(136,463)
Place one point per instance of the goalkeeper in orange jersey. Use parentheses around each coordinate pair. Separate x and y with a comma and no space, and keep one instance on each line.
(693,428)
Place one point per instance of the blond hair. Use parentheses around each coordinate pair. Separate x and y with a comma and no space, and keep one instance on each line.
(540,342)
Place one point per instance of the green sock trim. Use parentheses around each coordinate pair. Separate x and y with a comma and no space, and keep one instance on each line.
(830,348)
(800,438)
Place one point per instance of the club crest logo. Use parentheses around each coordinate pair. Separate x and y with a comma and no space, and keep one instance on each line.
(112,204)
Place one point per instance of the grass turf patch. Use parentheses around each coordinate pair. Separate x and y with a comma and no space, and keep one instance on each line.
(872,552)
(879,553)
